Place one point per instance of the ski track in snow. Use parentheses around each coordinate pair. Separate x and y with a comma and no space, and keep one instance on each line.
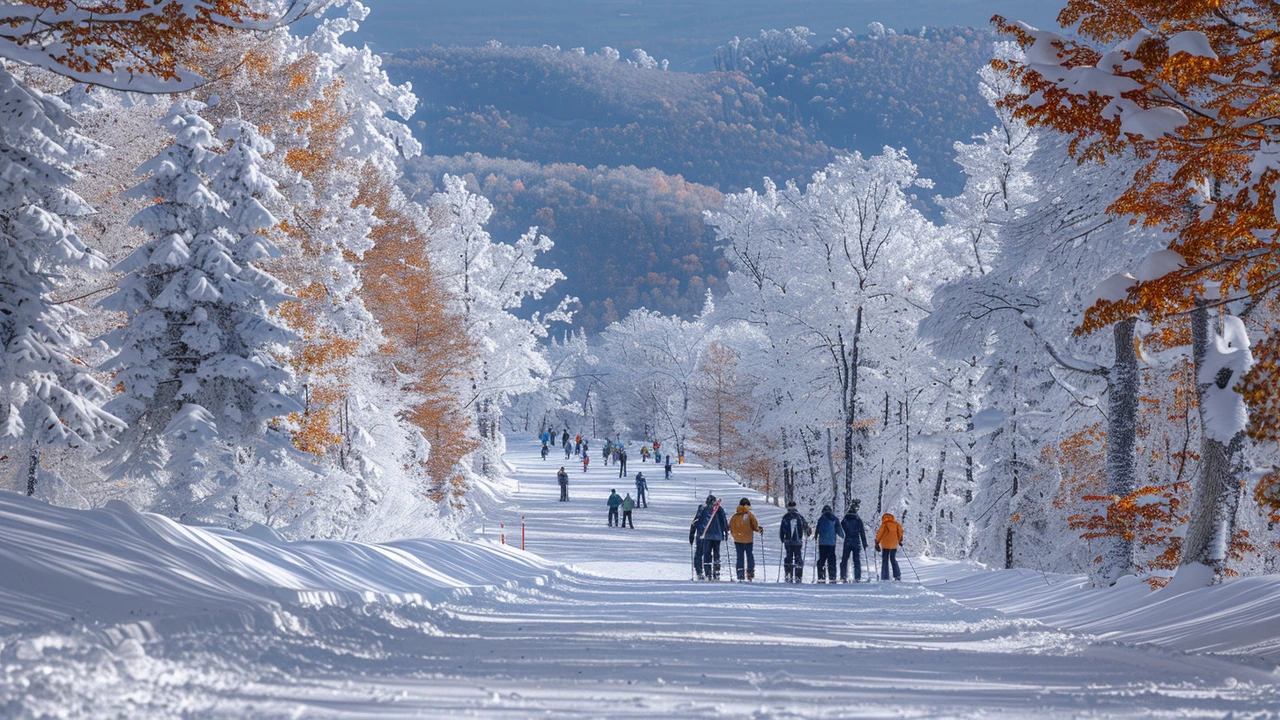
(620,632)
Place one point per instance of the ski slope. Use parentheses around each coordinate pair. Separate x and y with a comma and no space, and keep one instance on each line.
(111,613)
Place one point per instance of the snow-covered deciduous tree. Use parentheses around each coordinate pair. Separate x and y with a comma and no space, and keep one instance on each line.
(489,281)
(198,356)
(47,395)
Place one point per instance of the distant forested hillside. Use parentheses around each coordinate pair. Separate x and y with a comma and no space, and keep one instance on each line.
(918,91)
(552,106)
(781,106)
(624,237)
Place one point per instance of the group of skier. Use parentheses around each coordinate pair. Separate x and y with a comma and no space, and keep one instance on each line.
(613,452)
(710,527)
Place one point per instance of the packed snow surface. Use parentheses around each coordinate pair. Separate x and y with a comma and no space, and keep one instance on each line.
(111,613)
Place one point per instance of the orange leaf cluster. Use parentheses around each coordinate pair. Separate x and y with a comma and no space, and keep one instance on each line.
(95,40)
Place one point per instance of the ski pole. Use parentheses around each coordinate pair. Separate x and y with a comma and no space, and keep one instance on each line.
(913,567)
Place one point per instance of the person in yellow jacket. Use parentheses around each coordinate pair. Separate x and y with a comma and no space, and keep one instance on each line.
(888,538)
(743,527)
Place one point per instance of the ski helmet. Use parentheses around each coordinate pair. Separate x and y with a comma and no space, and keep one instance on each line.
(711,499)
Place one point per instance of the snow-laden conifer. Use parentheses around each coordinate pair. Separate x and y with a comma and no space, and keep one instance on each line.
(47,394)
(197,358)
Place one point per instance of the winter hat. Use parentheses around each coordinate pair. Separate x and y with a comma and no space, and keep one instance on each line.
(711,499)
(826,508)
(745,501)
(791,503)
(614,491)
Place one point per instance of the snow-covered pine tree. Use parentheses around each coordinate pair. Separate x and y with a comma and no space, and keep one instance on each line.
(47,395)
(198,356)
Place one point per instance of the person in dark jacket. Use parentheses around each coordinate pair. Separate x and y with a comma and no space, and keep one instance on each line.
(695,541)
(793,531)
(668,467)
(829,531)
(568,450)
(563,478)
(642,491)
(564,438)
(622,462)
(713,527)
(855,541)
(615,500)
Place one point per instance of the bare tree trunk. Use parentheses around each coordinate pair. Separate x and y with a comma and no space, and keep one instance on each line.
(1215,497)
(33,469)
(1123,384)
(851,402)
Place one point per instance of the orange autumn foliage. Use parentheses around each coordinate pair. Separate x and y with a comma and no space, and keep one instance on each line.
(425,339)
(1211,182)
(110,42)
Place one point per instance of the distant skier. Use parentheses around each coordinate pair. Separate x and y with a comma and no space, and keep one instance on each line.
(855,542)
(546,437)
(586,447)
(888,538)
(713,526)
(644,453)
(615,501)
(744,526)
(828,531)
(568,450)
(792,532)
(642,490)
(563,478)
(622,462)
(667,468)
(627,506)
(586,460)
(605,451)
(564,438)
(544,451)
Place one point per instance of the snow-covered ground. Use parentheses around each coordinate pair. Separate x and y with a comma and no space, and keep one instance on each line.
(114,614)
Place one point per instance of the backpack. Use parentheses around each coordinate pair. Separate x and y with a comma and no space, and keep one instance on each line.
(791,532)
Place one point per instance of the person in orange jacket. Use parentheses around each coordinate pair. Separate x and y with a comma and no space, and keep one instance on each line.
(743,526)
(888,538)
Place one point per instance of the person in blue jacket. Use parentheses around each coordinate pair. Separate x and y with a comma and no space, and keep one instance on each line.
(855,541)
(828,531)
(712,527)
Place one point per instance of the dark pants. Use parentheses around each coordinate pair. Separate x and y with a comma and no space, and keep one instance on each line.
(888,556)
(826,562)
(613,516)
(856,553)
(794,564)
(698,547)
(566,451)
(747,551)
(564,492)
(642,497)
(711,559)
(622,468)
(626,519)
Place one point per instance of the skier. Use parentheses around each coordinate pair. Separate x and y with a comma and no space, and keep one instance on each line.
(888,537)
(792,532)
(695,541)
(586,448)
(546,437)
(564,439)
(742,527)
(627,506)
(622,462)
(713,526)
(577,445)
(586,460)
(568,450)
(668,468)
(615,501)
(644,453)
(605,451)
(855,541)
(563,478)
(544,451)
(642,491)
(656,445)
(828,530)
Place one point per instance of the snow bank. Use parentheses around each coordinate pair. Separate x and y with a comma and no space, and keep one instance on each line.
(1241,617)
(115,564)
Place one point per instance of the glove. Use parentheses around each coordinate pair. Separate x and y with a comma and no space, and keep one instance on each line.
(877,547)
